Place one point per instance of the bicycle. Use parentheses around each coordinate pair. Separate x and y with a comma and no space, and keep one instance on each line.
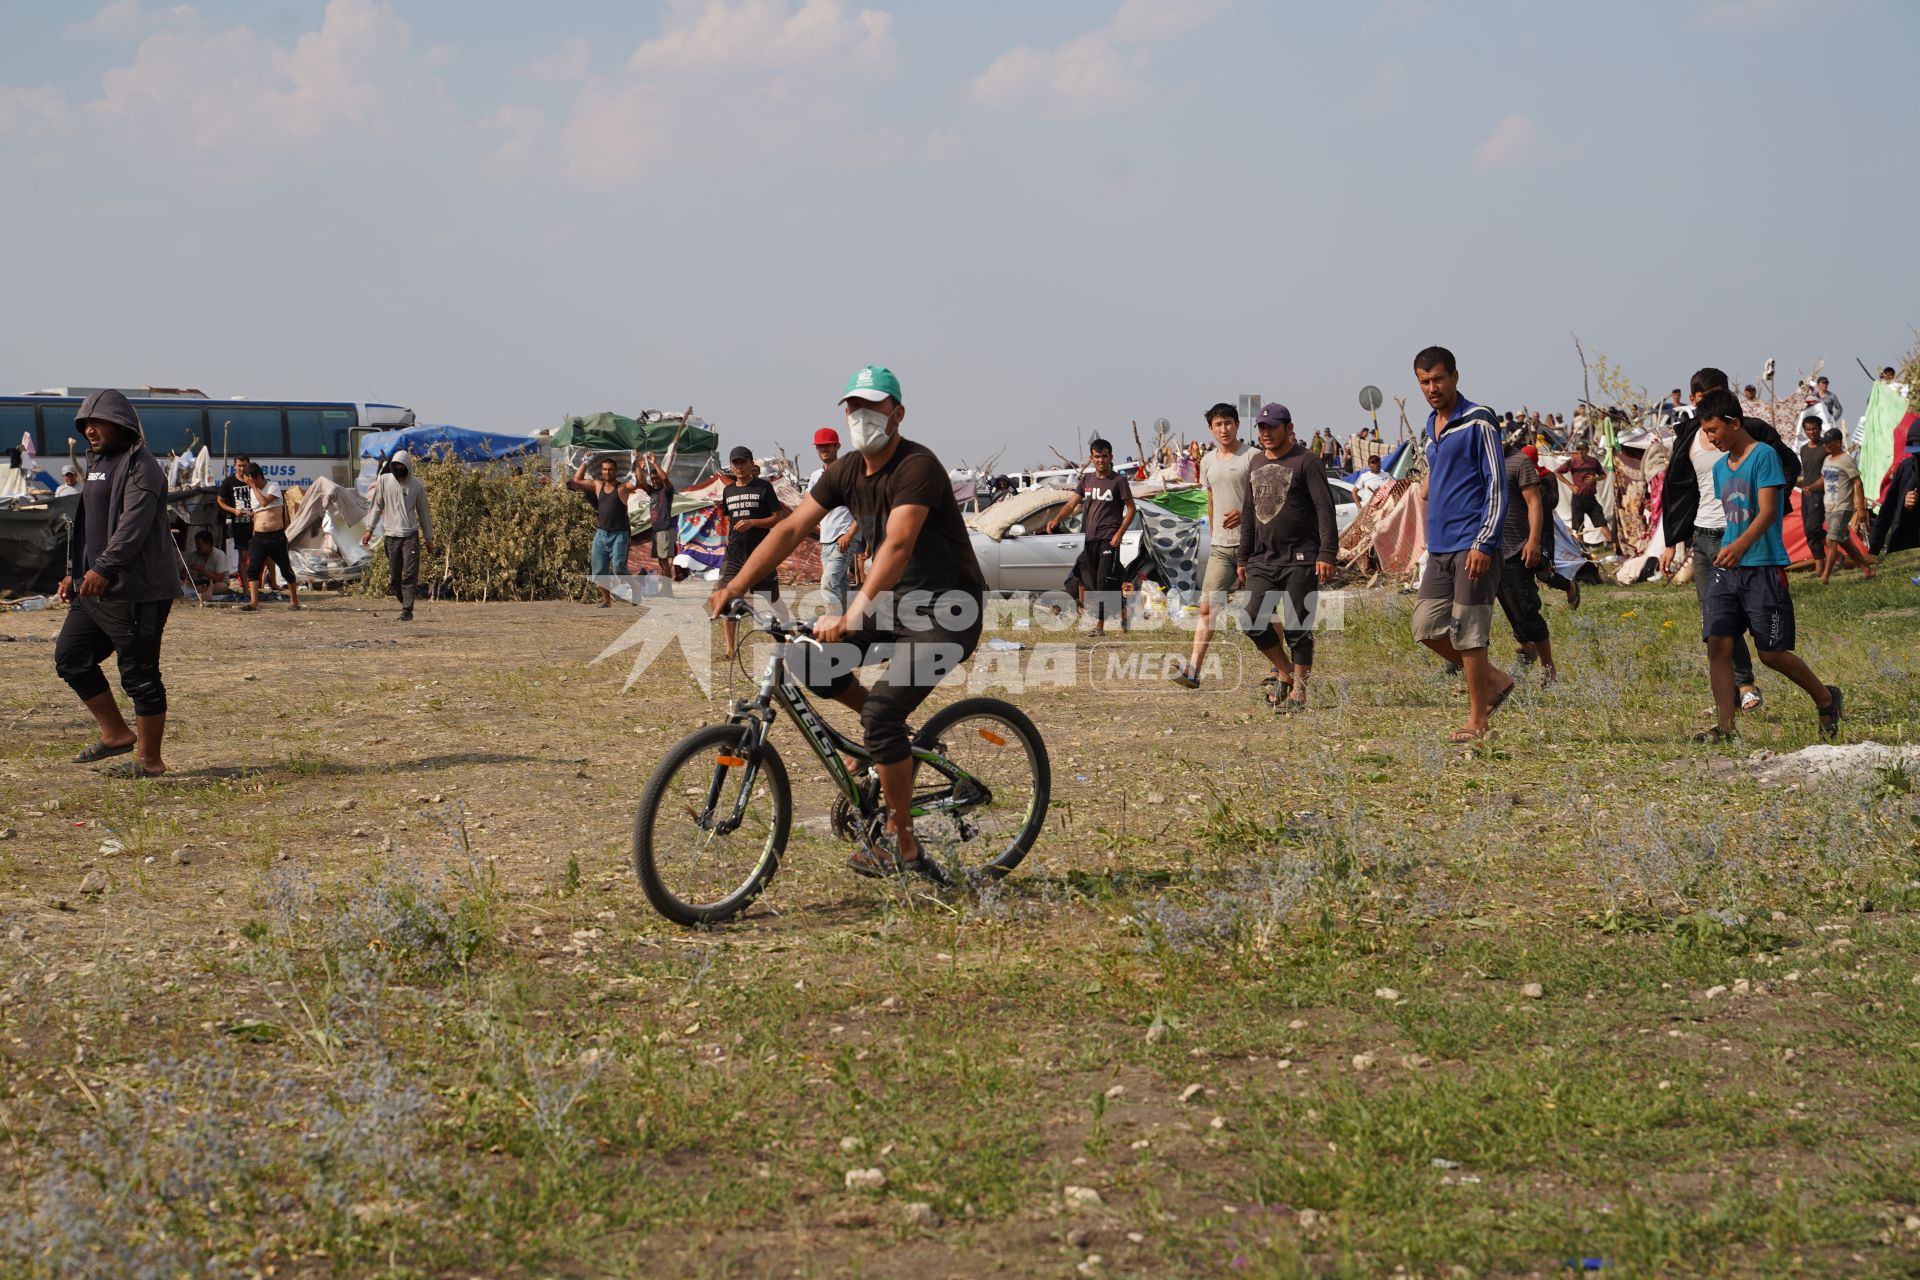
(715,815)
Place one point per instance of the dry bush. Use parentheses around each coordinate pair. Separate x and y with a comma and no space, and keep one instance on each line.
(498,535)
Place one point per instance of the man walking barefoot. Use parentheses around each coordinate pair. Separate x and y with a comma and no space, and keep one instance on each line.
(121,581)
(1466,506)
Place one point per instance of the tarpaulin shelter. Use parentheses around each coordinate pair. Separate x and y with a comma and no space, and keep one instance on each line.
(1882,438)
(582,438)
(323,535)
(428,440)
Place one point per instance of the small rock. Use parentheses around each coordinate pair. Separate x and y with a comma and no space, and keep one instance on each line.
(1156,797)
(7,833)
(1307,1218)
(1187,1094)
(1788,1056)
(1440,1162)
(1713,993)
(1415,1061)
(1081,1198)
(94,882)
(1115,1092)
(1134,1237)
(849,1145)
(1742,987)
(1091,1266)
(183,856)
(358,833)
(1362,1062)
(1079,1237)
(1664,1085)
(1912,1223)
(865,1180)
(1385,993)
(250,676)
(436,797)
(344,805)
(1157,1031)
(111,846)
(922,1214)
(386,843)
(1533,991)
(1218,1122)
(1298,1024)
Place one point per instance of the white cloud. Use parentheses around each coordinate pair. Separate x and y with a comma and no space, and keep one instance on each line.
(1094,72)
(571,61)
(440,55)
(747,34)
(128,19)
(32,112)
(521,149)
(1511,145)
(234,88)
(1084,76)
(943,146)
(725,82)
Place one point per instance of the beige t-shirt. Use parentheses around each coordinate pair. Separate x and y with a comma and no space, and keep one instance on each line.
(1225,478)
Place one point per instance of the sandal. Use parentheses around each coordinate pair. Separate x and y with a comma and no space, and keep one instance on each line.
(1461,737)
(1276,692)
(1186,677)
(1505,693)
(249,608)
(877,862)
(1715,735)
(1830,718)
(101,751)
(131,769)
(1751,700)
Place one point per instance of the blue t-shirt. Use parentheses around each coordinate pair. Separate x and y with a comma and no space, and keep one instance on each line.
(1739,491)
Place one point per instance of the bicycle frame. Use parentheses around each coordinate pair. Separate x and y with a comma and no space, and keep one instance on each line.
(829,744)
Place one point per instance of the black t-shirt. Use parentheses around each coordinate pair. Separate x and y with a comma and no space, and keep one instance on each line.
(1813,458)
(660,505)
(1106,499)
(235,493)
(754,500)
(1286,514)
(96,492)
(942,559)
(1521,476)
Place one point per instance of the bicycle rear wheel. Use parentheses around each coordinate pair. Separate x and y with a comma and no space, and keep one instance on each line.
(981,804)
(710,830)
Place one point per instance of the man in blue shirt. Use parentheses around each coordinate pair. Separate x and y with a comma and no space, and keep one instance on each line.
(1747,592)
(1466,489)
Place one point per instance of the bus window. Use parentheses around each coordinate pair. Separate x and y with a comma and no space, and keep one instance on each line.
(254,430)
(319,432)
(16,420)
(170,428)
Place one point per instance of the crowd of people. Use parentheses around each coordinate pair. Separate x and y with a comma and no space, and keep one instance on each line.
(889,525)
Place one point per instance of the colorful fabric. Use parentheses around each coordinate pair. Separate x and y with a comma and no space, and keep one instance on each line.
(1880,452)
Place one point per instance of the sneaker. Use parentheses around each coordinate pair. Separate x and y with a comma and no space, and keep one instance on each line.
(1186,677)
(406,615)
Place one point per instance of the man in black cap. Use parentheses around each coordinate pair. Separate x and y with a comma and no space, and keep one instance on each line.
(752,509)
(1897,526)
(121,580)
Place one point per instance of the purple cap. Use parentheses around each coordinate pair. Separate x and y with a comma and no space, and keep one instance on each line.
(1273,414)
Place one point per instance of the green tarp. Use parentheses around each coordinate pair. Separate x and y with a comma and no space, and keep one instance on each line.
(1885,408)
(1191,503)
(612,431)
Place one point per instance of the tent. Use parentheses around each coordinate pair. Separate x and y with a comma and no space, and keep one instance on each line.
(437,440)
(583,438)
(323,537)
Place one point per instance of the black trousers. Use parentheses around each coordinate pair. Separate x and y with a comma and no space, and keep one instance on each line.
(403,567)
(95,628)
(917,660)
(1585,506)
(1519,597)
(1290,595)
(1813,522)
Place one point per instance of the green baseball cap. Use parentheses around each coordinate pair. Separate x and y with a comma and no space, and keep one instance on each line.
(874,382)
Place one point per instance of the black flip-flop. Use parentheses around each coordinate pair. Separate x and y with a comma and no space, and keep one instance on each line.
(131,769)
(1830,718)
(101,751)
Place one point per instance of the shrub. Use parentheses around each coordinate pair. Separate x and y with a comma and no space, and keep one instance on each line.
(498,535)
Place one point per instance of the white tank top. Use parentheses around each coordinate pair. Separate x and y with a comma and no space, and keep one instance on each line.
(1703,455)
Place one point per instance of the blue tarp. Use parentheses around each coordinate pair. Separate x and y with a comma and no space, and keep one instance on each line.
(433,440)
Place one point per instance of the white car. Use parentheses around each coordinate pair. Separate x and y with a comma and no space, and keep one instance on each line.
(1026,558)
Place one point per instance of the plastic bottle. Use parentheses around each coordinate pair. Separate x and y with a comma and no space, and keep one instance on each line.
(32,604)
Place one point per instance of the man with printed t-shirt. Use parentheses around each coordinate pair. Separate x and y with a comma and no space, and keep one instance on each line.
(1845,502)
(1109,501)
(1747,593)
(1288,539)
(920,607)
(752,509)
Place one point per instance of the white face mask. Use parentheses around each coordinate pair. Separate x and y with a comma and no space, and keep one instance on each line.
(868,427)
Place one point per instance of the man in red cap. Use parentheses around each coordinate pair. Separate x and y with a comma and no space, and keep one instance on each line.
(836,529)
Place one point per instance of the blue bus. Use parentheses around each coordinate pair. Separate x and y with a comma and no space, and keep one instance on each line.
(293,441)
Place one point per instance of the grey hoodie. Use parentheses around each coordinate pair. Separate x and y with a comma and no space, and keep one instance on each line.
(138,559)
(400,508)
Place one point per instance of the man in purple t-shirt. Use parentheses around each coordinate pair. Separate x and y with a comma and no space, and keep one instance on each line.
(1109,503)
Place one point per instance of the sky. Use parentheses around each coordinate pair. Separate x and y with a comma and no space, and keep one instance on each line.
(1049,219)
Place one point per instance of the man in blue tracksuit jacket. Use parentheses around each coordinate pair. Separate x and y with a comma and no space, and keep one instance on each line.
(1466,492)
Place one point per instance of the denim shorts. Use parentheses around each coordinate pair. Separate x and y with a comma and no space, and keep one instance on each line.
(1751,599)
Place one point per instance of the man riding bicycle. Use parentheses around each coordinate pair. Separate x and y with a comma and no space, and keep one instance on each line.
(920,607)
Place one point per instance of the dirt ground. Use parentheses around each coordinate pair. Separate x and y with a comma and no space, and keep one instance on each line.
(1159,1049)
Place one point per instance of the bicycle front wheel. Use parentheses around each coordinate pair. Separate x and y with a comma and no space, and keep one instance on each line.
(711,827)
(981,798)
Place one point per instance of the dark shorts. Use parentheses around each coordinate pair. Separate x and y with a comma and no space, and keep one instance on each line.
(917,660)
(768,586)
(1452,604)
(131,632)
(1519,596)
(1585,506)
(1097,571)
(1753,601)
(268,546)
(1288,596)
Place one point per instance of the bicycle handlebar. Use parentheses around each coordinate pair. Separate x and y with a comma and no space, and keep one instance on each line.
(767,621)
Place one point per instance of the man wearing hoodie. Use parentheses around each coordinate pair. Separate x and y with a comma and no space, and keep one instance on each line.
(399,503)
(121,580)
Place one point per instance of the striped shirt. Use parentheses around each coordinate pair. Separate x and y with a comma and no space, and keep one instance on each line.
(1466,481)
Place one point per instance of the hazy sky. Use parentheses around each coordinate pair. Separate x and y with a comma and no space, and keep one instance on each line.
(1047,218)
